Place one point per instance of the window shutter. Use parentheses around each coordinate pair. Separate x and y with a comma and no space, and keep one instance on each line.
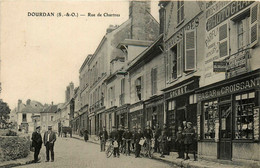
(142,87)
(253,34)
(152,79)
(155,81)
(223,42)
(190,50)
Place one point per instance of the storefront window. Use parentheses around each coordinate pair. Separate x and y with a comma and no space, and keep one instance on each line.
(244,116)
(171,112)
(210,116)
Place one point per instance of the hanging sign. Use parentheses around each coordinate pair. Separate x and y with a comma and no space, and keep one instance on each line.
(256,123)
(219,66)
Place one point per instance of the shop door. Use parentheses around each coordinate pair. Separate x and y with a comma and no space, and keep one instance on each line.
(225,132)
(180,117)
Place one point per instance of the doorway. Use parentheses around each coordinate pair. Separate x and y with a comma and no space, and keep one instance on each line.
(225,132)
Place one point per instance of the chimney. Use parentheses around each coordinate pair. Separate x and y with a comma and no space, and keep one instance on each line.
(52,103)
(28,102)
(19,103)
(162,19)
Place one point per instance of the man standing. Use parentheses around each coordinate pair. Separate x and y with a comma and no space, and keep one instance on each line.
(137,138)
(127,136)
(114,136)
(103,136)
(189,134)
(49,139)
(36,143)
(157,135)
(148,135)
(120,134)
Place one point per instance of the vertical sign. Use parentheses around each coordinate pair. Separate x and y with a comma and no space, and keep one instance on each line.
(256,123)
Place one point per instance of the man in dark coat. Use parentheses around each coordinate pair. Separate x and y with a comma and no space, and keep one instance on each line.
(49,139)
(120,134)
(103,136)
(114,136)
(36,143)
(189,134)
(148,135)
(127,136)
(137,138)
(158,132)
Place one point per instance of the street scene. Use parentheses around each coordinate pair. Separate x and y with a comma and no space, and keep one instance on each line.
(74,153)
(127,83)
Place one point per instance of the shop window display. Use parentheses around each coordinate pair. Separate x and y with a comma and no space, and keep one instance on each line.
(244,116)
(210,117)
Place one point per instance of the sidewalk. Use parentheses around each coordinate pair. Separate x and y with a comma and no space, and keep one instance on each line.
(171,159)
(17,162)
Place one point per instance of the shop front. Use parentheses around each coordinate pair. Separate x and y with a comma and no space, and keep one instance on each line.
(228,118)
(109,118)
(181,104)
(153,110)
(136,115)
(122,115)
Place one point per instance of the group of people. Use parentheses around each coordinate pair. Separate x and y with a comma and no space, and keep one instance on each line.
(48,141)
(184,139)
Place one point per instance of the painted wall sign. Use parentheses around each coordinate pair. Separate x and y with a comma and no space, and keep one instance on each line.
(180,90)
(179,35)
(213,7)
(229,89)
(225,13)
(219,66)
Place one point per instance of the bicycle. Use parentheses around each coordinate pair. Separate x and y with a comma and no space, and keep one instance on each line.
(148,148)
(110,149)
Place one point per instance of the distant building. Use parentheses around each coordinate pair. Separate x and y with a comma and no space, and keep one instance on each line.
(28,115)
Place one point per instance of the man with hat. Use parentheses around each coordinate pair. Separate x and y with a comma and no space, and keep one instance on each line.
(49,139)
(120,134)
(36,143)
(189,134)
(103,136)
(114,137)
(127,136)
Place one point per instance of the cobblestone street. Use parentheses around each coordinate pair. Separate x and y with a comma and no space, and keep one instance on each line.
(75,153)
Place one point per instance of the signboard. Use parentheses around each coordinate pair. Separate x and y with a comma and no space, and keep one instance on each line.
(237,63)
(230,88)
(219,66)
(256,123)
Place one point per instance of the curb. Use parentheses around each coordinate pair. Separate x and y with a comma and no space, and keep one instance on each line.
(27,160)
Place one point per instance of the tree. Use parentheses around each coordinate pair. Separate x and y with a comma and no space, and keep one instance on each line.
(4,112)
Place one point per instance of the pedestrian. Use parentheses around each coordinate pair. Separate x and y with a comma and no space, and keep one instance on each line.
(138,137)
(49,139)
(127,136)
(36,143)
(86,135)
(114,136)
(158,132)
(134,133)
(148,135)
(59,129)
(120,134)
(163,143)
(179,141)
(188,133)
(168,137)
(103,136)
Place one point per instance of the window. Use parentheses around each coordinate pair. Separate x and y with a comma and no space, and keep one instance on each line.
(52,118)
(122,86)
(154,81)
(244,116)
(171,112)
(174,62)
(139,87)
(43,119)
(24,118)
(223,40)
(193,99)
(210,116)
(180,11)
(254,25)
(242,33)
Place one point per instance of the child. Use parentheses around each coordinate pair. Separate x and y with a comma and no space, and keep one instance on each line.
(180,145)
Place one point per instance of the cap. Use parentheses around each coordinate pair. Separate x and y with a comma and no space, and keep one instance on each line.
(38,127)
(189,123)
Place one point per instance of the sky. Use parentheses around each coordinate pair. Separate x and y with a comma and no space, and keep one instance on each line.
(40,56)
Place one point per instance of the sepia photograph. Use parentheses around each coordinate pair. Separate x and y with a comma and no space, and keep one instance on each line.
(129,84)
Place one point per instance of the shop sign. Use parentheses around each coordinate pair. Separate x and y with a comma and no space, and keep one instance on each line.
(180,90)
(219,66)
(225,13)
(237,63)
(229,89)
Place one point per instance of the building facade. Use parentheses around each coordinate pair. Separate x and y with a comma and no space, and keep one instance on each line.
(228,97)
